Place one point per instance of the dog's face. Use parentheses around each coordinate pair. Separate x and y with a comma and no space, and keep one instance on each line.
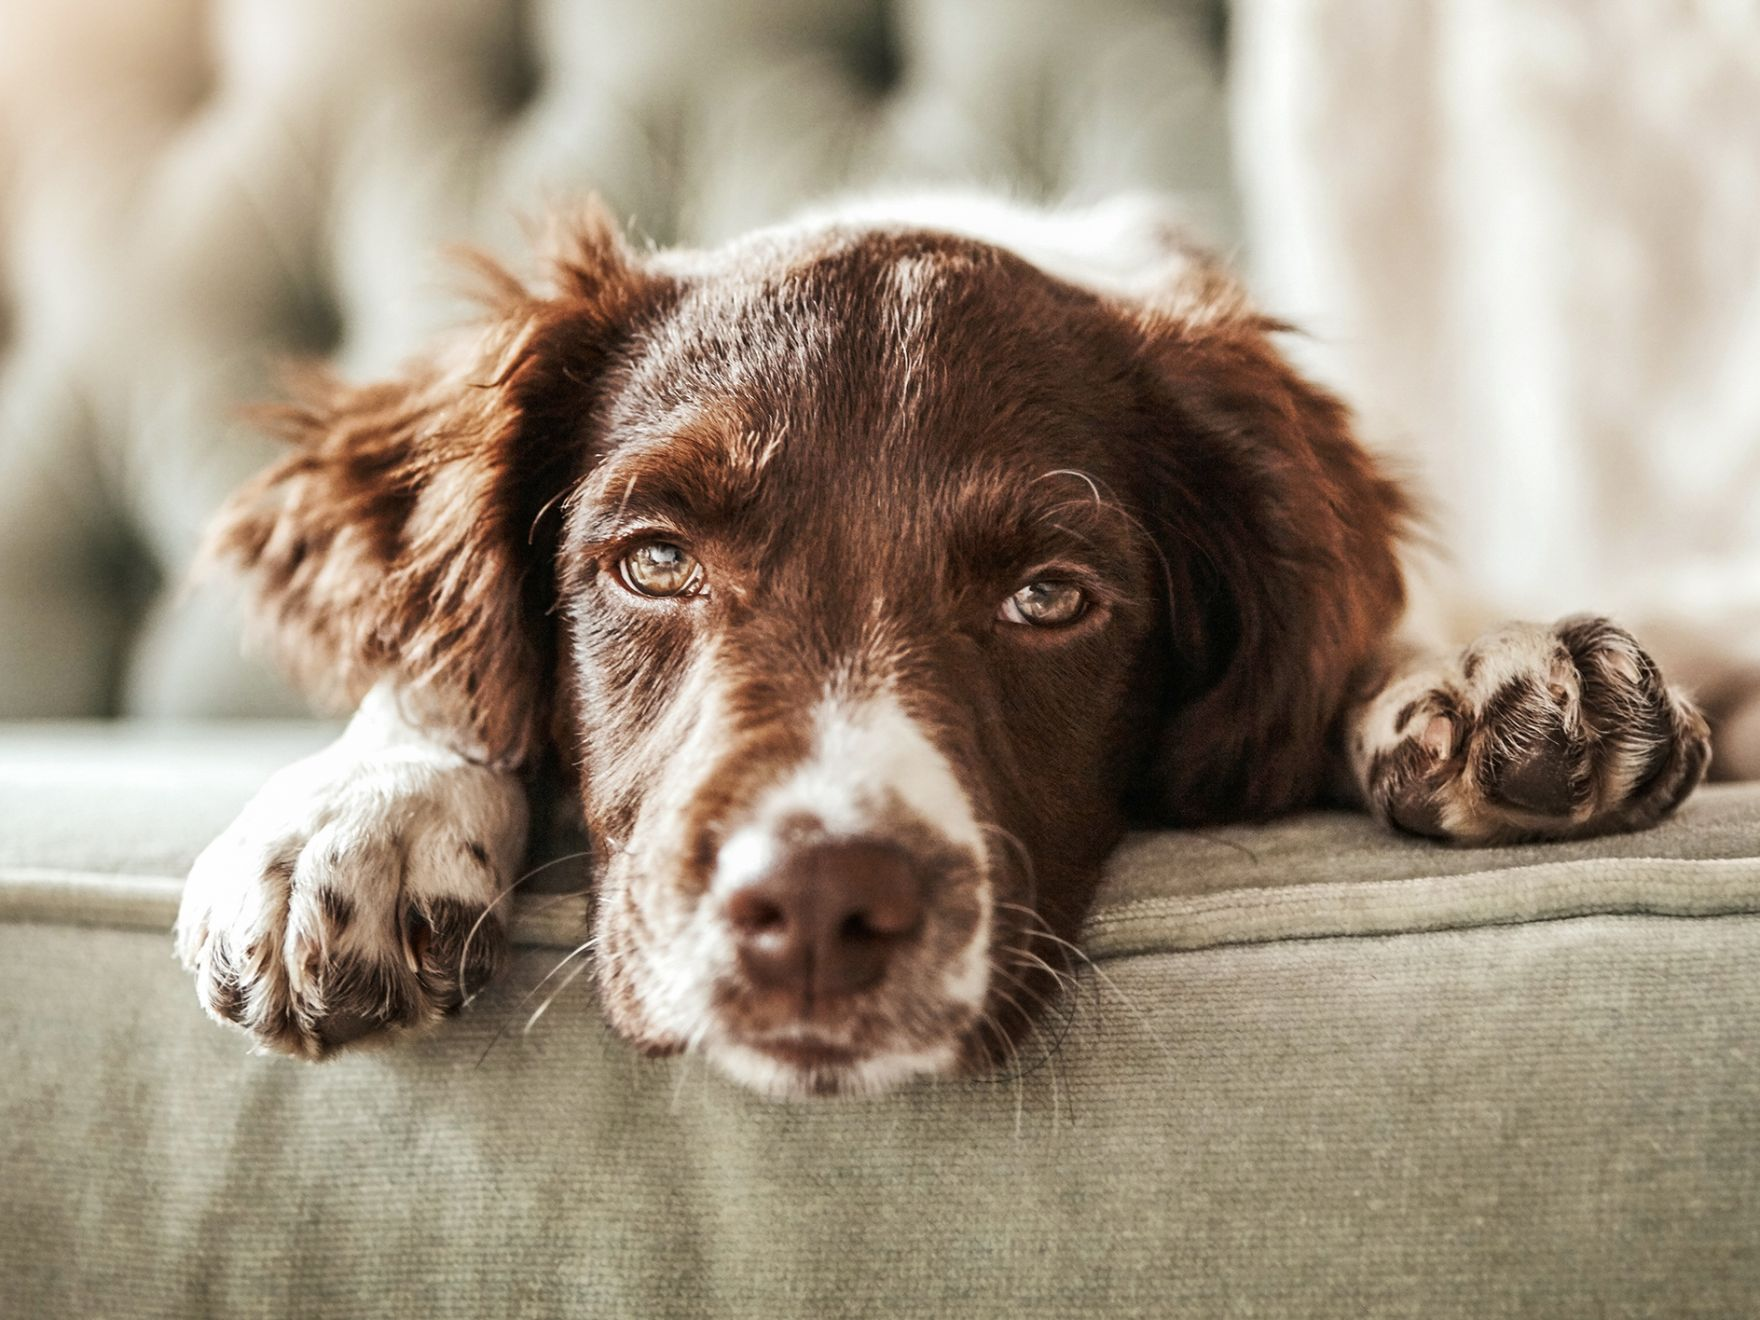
(869,579)
(856,628)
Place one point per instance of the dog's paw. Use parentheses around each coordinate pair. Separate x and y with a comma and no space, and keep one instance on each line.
(1534,732)
(354,896)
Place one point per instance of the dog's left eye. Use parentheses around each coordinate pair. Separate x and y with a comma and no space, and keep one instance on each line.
(660,568)
(1045,605)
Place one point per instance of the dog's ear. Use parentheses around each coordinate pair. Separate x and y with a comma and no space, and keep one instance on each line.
(410,534)
(1281,538)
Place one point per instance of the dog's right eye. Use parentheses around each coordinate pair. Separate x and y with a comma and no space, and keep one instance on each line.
(660,568)
(1045,605)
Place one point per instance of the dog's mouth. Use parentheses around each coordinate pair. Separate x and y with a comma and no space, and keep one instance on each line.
(810,1053)
(917,1022)
(808,1048)
(801,1064)
(838,1050)
(788,1032)
(958,1008)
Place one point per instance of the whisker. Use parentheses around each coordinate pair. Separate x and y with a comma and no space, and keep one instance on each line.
(1029,869)
(988,1021)
(686,1061)
(1217,839)
(1079,475)
(567,981)
(1053,1045)
(554,861)
(1044,931)
(477,925)
(1064,978)
(551,503)
(584,947)
(1040,1002)
(1105,500)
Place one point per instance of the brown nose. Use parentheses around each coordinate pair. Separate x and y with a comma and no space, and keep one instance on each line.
(827,918)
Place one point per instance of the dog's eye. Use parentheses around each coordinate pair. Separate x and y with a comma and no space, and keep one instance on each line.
(660,568)
(1045,604)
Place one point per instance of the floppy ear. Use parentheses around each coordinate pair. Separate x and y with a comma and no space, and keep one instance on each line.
(1282,537)
(410,533)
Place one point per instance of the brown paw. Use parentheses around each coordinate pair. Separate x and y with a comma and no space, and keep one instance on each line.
(1537,732)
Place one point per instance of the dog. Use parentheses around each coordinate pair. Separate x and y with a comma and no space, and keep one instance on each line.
(864,578)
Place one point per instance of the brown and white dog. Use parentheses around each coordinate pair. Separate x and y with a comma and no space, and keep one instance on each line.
(866,578)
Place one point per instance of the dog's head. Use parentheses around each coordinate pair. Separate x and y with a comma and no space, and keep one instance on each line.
(871,579)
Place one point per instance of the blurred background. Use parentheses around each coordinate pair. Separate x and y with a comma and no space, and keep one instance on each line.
(1523,235)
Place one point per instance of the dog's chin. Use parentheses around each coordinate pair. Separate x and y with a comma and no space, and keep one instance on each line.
(800,1067)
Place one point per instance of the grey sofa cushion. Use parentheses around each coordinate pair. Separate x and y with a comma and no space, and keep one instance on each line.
(1314,1070)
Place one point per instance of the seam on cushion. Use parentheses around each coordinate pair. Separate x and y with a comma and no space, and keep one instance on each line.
(1126,954)
(1158,902)
(1704,887)
(38,895)
(1671,887)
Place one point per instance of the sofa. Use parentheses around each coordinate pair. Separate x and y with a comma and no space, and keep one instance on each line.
(1310,1068)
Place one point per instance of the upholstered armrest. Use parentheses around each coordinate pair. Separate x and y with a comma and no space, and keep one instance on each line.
(1314,1069)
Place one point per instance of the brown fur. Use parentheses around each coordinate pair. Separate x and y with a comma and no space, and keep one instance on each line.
(870,437)
(1289,533)
(398,539)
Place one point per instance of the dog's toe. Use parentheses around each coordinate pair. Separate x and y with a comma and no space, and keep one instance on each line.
(1539,732)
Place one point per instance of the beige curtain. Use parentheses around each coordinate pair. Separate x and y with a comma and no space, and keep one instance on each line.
(1526,237)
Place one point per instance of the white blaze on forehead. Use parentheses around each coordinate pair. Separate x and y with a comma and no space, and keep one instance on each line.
(1129,243)
(869,756)
(914,276)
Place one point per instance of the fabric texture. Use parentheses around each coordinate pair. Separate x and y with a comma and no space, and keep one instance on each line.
(1313,1070)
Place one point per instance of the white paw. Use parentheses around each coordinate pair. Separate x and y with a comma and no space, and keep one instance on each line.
(354,895)
(1533,731)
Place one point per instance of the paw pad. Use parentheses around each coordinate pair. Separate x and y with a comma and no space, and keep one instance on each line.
(1540,733)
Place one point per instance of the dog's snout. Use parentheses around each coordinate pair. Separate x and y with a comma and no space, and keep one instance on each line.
(828,917)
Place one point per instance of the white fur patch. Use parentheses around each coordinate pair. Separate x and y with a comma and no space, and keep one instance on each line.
(384,817)
(874,1075)
(868,756)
